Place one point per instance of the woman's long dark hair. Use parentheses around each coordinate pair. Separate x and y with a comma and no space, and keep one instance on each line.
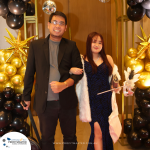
(89,54)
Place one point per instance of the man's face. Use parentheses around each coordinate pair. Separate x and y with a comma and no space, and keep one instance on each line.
(57,28)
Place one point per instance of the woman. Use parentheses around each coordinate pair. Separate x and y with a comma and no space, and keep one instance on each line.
(98,67)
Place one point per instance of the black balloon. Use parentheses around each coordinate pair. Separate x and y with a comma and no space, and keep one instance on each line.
(146,112)
(136,13)
(9,105)
(127,126)
(14,21)
(139,122)
(148,127)
(138,1)
(17,7)
(2,131)
(131,2)
(3,8)
(134,140)
(30,9)
(5,118)
(34,144)
(18,109)
(18,98)
(138,102)
(17,123)
(137,111)
(8,92)
(145,103)
(146,4)
(26,0)
(147,143)
(143,133)
(24,114)
(5,16)
(139,93)
(2,100)
(25,129)
(147,91)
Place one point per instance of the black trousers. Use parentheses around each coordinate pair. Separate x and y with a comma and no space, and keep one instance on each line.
(48,122)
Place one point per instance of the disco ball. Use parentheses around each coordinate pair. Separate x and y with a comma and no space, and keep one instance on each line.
(104,1)
(49,7)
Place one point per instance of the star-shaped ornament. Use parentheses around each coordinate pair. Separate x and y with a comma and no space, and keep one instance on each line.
(17,46)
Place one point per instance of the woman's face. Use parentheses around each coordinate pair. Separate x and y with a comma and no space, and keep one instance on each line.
(96,44)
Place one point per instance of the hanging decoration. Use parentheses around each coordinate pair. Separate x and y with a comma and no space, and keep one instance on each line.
(49,7)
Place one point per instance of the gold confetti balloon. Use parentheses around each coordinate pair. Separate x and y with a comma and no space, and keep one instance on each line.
(8,84)
(3,67)
(17,80)
(126,59)
(135,64)
(22,70)
(2,59)
(132,52)
(3,77)
(10,70)
(147,64)
(144,80)
(16,62)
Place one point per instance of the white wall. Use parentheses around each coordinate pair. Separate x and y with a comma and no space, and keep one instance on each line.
(3,32)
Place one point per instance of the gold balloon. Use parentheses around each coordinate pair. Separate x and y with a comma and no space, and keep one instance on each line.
(3,67)
(17,80)
(144,80)
(1,87)
(22,70)
(148,53)
(135,64)
(126,59)
(8,84)
(139,47)
(147,64)
(3,77)
(7,55)
(142,56)
(19,89)
(2,59)
(132,52)
(10,70)
(24,59)
(16,62)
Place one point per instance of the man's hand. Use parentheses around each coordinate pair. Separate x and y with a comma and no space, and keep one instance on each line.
(76,71)
(57,87)
(27,103)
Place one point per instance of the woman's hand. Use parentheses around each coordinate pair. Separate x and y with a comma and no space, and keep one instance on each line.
(76,71)
(117,90)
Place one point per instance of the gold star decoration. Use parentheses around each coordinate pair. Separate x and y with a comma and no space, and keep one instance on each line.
(145,44)
(17,46)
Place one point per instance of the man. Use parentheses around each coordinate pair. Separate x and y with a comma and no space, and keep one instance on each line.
(51,58)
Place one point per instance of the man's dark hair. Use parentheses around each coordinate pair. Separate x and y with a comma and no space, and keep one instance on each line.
(58,13)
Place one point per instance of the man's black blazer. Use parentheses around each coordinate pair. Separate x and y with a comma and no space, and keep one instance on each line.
(38,61)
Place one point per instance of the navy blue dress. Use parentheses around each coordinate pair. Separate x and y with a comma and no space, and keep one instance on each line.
(100,104)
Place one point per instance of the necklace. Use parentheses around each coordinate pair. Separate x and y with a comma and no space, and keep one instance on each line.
(96,59)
